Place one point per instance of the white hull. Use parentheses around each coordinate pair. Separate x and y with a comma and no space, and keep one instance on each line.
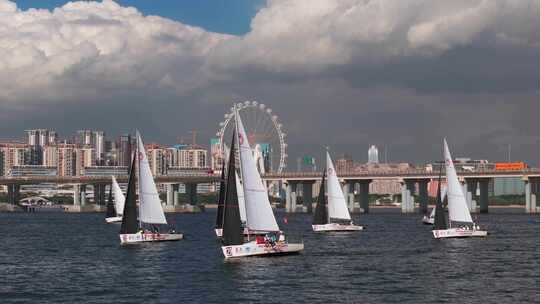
(336,227)
(261,249)
(114,219)
(428,220)
(149,237)
(458,233)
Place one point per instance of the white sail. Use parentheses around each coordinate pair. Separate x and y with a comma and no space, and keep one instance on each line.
(457,204)
(241,201)
(259,214)
(337,206)
(119,198)
(150,210)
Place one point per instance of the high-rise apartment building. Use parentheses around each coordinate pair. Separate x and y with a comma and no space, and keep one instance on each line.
(373,155)
(37,139)
(96,140)
(83,158)
(124,150)
(14,154)
(157,157)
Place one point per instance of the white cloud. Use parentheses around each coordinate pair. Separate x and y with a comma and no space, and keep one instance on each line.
(314,35)
(92,48)
(84,46)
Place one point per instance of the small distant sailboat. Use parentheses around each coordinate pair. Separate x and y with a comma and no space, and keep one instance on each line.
(115,211)
(264,236)
(430,219)
(150,213)
(460,223)
(332,214)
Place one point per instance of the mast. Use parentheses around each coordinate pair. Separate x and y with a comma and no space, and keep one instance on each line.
(129,217)
(321,213)
(111,211)
(138,176)
(221,198)
(439,220)
(232,230)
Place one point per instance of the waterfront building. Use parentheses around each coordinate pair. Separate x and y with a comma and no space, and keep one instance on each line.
(14,154)
(344,164)
(94,139)
(157,156)
(105,170)
(373,155)
(83,158)
(32,170)
(124,150)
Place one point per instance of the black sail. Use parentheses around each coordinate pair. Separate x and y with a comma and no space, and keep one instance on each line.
(232,230)
(111,211)
(439,221)
(321,211)
(129,218)
(221,199)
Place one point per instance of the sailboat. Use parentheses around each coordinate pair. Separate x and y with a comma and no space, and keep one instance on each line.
(115,211)
(331,213)
(430,219)
(221,199)
(264,236)
(142,226)
(460,223)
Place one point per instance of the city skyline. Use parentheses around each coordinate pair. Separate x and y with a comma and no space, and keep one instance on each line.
(422,72)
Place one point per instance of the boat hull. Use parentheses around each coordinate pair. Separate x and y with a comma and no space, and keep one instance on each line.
(334,227)
(114,219)
(261,249)
(149,237)
(428,220)
(458,233)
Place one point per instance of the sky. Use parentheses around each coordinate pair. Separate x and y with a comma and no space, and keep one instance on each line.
(347,74)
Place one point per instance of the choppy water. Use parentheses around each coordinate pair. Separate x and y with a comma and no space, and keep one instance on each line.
(76,258)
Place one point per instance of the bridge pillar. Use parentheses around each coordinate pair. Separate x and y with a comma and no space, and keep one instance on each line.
(170,194)
(10,197)
(16,194)
(423,195)
(532,187)
(176,194)
(484,195)
(83,194)
(407,199)
(191,191)
(290,197)
(77,195)
(307,195)
(99,194)
(469,189)
(364,195)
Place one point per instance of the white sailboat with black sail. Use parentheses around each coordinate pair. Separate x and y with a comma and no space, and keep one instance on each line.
(115,211)
(460,223)
(221,199)
(331,213)
(264,238)
(150,212)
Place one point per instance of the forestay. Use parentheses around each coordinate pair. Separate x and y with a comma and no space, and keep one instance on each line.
(457,204)
(259,214)
(150,210)
(337,206)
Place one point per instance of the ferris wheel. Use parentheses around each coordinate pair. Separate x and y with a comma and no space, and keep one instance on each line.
(264,132)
